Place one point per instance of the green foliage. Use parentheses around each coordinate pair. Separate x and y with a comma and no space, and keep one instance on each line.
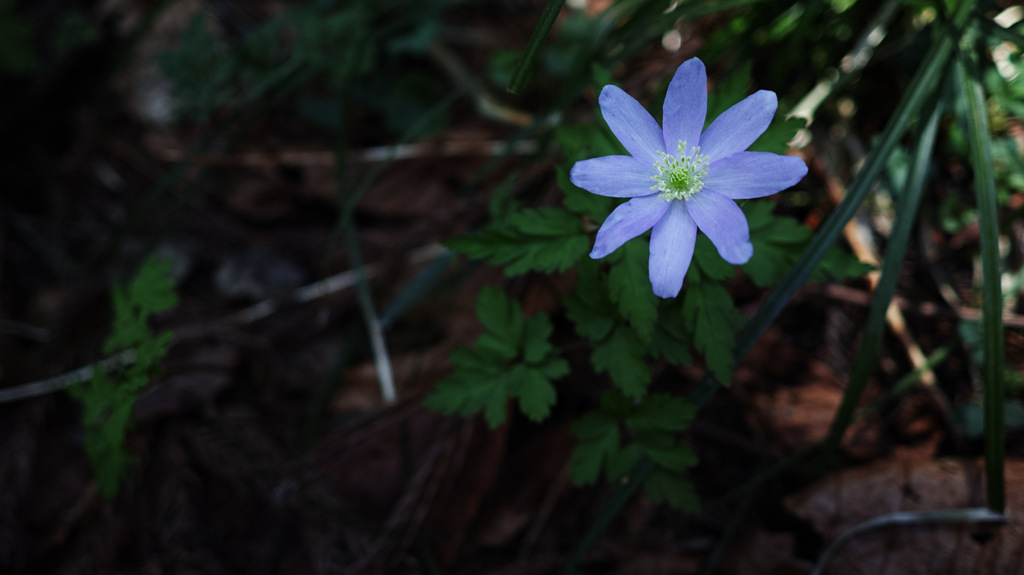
(617,350)
(614,438)
(513,359)
(546,240)
(778,244)
(630,287)
(339,43)
(709,311)
(17,56)
(107,399)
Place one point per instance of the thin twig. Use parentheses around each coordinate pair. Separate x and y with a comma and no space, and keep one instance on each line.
(261,310)
(974,515)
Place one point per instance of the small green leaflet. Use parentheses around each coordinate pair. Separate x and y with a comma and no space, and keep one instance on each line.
(108,399)
(653,425)
(622,356)
(616,348)
(630,287)
(709,265)
(709,311)
(546,240)
(484,379)
(778,244)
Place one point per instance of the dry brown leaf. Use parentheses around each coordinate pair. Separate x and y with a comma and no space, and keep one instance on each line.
(848,498)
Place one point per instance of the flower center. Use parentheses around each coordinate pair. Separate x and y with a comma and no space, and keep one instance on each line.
(679,178)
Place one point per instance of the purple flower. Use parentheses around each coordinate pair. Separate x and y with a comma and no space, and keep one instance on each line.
(681,180)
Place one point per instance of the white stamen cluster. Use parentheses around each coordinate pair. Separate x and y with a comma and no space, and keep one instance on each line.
(679,178)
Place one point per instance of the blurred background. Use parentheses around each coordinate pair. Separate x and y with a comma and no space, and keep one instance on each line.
(298,165)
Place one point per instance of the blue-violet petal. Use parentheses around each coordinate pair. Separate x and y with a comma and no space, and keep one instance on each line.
(613,176)
(686,105)
(724,223)
(626,222)
(672,242)
(749,175)
(631,124)
(739,126)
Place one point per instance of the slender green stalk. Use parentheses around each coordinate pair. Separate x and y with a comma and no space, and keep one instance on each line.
(547,20)
(921,86)
(992,297)
(910,200)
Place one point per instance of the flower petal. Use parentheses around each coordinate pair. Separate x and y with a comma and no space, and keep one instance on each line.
(672,244)
(754,174)
(686,105)
(626,222)
(631,124)
(613,176)
(724,223)
(739,126)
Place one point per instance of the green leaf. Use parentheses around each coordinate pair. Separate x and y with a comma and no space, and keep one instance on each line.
(661,412)
(630,287)
(500,316)
(534,390)
(108,400)
(672,339)
(621,355)
(710,265)
(535,339)
(475,386)
(598,443)
(708,308)
(670,456)
(778,244)
(483,381)
(589,307)
(778,135)
(547,240)
(665,486)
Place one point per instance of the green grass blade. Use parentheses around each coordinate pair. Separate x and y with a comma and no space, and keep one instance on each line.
(992,297)
(874,330)
(921,86)
(547,19)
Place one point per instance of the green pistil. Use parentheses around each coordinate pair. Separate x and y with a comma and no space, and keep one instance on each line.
(680,178)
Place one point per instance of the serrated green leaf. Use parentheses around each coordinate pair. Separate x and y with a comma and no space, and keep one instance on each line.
(630,288)
(598,442)
(537,332)
(547,240)
(780,241)
(501,316)
(496,347)
(672,339)
(710,265)
(661,412)
(534,390)
(708,308)
(589,307)
(621,355)
(619,463)
(553,368)
(670,456)
(152,288)
(470,390)
(778,135)
(666,486)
